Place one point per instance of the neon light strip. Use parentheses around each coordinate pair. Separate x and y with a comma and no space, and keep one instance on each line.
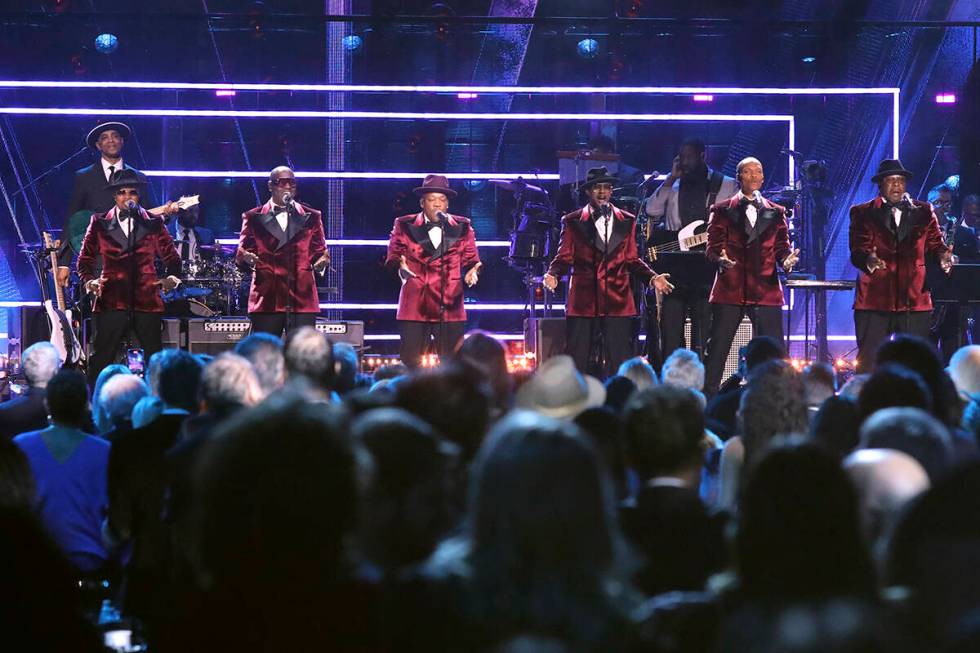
(231,174)
(896,124)
(394,115)
(377,88)
(346,306)
(395,336)
(17,304)
(368,242)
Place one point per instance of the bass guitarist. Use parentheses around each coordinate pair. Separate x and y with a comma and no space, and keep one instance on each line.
(681,200)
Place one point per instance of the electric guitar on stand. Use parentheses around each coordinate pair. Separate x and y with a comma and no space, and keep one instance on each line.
(63,335)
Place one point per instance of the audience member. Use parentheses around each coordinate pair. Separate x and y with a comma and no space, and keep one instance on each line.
(392,371)
(278,500)
(683,369)
(118,397)
(890,385)
(853,386)
(618,391)
(546,566)
(921,356)
(17,488)
(264,352)
(964,369)
(666,520)
(26,412)
(346,367)
(407,507)
(605,429)
(488,355)
(913,431)
(799,535)
(309,362)
(102,424)
(835,425)
(886,480)
(69,468)
(639,371)
(819,383)
(723,407)
(557,389)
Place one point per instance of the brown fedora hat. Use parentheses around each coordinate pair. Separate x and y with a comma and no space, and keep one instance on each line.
(435,184)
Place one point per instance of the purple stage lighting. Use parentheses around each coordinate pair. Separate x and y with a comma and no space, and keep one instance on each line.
(704,97)
(946,98)
(225,92)
(467,96)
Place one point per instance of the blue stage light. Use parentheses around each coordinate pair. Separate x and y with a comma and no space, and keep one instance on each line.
(588,48)
(352,42)
(809,59)
(475,185)
(106,43)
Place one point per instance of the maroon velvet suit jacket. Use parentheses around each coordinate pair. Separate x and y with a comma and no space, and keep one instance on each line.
(283,276)
(902,286)
(757,255)
(600,272)
(151,240)
(439,273)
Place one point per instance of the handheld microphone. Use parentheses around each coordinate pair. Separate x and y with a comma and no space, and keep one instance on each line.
(906,200)
(287,197)
(443,215)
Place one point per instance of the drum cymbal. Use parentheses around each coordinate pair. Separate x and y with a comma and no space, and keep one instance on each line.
(513,185)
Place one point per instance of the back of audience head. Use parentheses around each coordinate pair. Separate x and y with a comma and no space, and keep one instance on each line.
(921,356)
(117,399)
(146,410)
(487,355)
(664,429)
(618,391)
(309,357)
(604,427)
(683,369)
(109,371)
(964,369)
(453,399)
(391,371)
(565,537)
(836,425)
(639,371)
(179,379)
(772,404)
(762,349)
(346,367)
(913,431)
(41,362)
(274,513)
(17,489)
(67,398)
(886,480)
(799,532)
(853,386)
(893,385)
(229,383)
(819,382)
(407,508)
(264,352)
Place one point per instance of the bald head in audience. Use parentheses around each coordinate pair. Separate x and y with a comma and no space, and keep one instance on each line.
(886,480)
(964,369)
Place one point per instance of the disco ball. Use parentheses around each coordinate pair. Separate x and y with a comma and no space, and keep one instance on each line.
(588,48)
(352,42)
(106,43)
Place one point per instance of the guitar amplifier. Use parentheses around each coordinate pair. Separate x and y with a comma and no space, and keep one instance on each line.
(347,331)
(215,335)
(545,336)
(742,337)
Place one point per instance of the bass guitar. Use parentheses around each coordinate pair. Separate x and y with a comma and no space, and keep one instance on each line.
(63,335)
(692,235)
(78,221)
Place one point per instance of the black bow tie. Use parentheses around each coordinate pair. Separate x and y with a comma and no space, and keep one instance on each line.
(432,225)
(749,201)
(901,205)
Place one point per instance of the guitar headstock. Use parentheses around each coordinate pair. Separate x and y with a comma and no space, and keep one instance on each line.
(187,201)
(48,242)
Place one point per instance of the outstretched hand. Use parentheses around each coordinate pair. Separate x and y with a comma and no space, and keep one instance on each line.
(659,282)
(473,275)
(790,261)
(947,259)
(874,263)
(724,261)
(550,282)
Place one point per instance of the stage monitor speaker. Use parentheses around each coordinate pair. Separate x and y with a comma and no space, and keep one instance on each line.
(25,326)
(172,337)
(344,331)
(742,337)
(545,336)
(214,336)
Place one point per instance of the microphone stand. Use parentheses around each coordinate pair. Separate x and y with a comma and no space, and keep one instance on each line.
(131,246)
(442,290)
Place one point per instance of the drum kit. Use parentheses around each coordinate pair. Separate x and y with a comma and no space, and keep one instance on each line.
(212,284)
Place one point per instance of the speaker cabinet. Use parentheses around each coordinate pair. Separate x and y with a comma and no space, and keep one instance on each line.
(742,337)
(545,336)
(345,331)
(214,336)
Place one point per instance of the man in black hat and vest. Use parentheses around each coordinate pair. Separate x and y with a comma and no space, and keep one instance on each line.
(434,253)
(126,291)
(889,239)
(90,193)
(598,246)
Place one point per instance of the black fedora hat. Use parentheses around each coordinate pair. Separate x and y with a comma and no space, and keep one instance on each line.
(889,167)
(125,178)
(598,175)
(120,127)
(435,184)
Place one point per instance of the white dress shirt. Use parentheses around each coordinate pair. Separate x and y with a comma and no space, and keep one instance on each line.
(435,234)
(663,204)
(116,167)
(896,213)
(282,216)
(751,212)
(125,222)
(603,224)
(187,233)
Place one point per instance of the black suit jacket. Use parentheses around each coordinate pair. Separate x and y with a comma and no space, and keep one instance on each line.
(204,236)
(682,543)
(89,193)
(23,414)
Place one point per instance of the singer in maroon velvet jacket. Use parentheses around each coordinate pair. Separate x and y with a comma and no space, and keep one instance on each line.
(105,238)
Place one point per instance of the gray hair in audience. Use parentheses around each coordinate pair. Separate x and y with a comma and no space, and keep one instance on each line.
(309,355)
(229,381)
(41,362)
(683,369)
(264,352)
(639,372)
(117,398)
(964,369)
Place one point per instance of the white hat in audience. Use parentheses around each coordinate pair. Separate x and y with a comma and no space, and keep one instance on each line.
(559,390)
